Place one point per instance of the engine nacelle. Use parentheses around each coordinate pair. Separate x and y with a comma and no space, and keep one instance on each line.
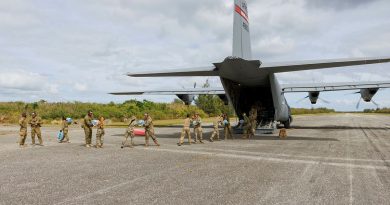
(187,99)
(368,93)
(313,96)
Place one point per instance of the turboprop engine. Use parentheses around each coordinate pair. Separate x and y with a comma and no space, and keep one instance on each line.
(367,94)
(186,98)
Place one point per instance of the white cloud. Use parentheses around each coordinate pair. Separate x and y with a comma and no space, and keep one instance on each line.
(57,45)
(80,87)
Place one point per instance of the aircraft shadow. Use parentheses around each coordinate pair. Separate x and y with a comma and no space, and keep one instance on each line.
(206,137)
(336,128)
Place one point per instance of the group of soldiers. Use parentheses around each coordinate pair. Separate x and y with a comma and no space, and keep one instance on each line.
(35,124)
(196,121)
(249,126)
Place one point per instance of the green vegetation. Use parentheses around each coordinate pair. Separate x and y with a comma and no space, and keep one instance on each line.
(206,106)
(303,111)
(10,111)
(381,110)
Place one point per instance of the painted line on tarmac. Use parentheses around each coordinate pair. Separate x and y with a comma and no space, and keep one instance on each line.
(271,159)
(295,156)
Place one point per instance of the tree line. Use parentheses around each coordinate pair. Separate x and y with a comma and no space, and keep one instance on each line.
(205,105)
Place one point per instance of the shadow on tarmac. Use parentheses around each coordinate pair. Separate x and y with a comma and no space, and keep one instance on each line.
(336,128)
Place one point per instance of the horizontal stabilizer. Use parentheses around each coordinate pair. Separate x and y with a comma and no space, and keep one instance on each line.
(319,64)
(193,91)
(333,86)
(200,71)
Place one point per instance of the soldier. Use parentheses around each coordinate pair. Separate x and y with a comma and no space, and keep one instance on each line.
(130,132)
(247,127)
(186,131)
(23,130)
(149,130)
(100,133)
(217,121)
(253,119)
(198,128)
(35,123)
(65,129)
(227,128)
(87,125)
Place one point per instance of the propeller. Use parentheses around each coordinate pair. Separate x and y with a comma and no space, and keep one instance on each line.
(358,104)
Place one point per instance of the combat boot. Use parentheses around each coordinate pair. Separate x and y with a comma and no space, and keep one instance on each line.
(155,142)
(147,143)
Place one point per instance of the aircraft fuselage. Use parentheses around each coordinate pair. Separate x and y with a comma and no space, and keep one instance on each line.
(245,92)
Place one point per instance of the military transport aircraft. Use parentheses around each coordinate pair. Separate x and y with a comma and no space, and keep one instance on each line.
(249,83)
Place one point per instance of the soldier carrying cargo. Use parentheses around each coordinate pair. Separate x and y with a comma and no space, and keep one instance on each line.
(186,131)
(149,130)
(198,128)
(130,132)
(216,122)
(227,128)
(87,125)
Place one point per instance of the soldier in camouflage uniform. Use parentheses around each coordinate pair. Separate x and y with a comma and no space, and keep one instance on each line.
(247,127)
(23,130)
(186,131)
(130,132)
(65,129)
(253,119)
(217,121)
(100,133)
(149,130)
(87,125)
(227,128)
(198,128)
(35,123)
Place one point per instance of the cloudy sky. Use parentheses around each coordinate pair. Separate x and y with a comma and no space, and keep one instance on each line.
(79,50)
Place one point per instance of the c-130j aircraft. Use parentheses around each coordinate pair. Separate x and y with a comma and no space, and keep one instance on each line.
(249,83)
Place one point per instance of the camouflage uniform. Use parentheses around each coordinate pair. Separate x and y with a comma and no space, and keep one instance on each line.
(88,130)
(186,131)
(65,129)
(198,129)
(35,123)
(227,128)
(253,119)
(216,122)
(130,132)
(247,126)
(100,134)
(22,131)
(149,131)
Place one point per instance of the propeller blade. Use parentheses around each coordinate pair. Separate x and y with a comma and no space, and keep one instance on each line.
(358,104)
(325,101)
(302,99)
(195,85)
(377,105)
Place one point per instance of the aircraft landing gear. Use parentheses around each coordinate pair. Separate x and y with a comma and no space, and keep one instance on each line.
(287,124)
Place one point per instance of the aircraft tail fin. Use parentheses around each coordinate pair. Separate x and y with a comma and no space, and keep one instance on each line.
(241,34)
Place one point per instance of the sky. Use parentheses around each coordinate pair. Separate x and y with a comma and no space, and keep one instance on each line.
(80,50)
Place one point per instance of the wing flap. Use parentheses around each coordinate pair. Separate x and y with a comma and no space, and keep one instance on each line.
(333,86)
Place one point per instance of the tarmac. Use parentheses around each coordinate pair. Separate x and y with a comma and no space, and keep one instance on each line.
(326,159)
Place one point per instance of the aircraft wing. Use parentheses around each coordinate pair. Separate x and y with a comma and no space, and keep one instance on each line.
(193,91)
(319,64)
(289,88)
(199,71)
